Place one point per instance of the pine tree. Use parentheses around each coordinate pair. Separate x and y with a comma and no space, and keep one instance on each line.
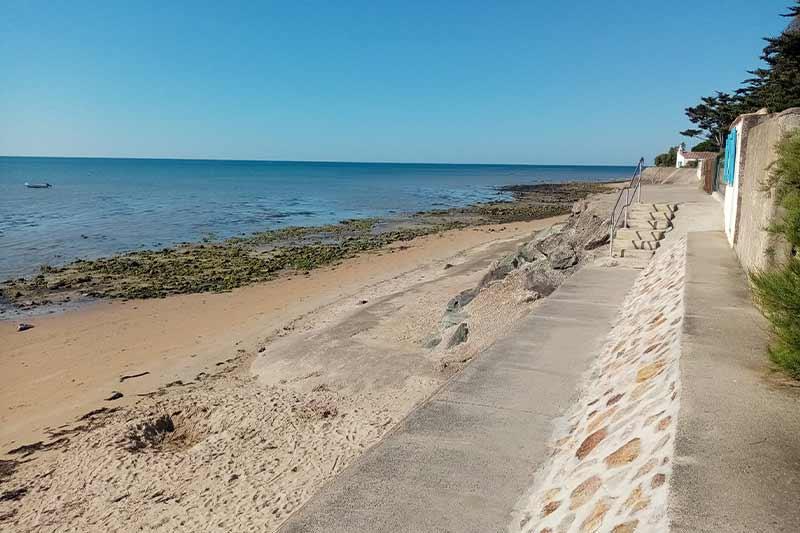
(777,87)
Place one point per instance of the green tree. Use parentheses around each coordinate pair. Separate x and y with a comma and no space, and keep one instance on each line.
(667,159)
(705,146)
(713,116)
(777,86)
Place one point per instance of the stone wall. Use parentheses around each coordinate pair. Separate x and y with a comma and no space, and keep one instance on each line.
(754,245)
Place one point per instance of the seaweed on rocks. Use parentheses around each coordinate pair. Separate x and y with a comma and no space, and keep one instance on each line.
(236,262)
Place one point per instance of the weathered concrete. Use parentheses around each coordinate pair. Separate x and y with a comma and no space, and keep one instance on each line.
(462,460)
(757,207)
(738,444)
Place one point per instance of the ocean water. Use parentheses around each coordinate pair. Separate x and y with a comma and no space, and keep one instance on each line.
(99,207)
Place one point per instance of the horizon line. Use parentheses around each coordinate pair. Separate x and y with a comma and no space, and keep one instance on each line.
(322,161)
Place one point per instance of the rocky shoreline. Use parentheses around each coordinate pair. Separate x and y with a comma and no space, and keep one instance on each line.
(539,267)
(236,262)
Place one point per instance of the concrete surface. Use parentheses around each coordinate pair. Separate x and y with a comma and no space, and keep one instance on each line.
(462,460)
(737,466)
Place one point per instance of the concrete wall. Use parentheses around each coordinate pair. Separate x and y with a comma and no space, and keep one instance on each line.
(755,208)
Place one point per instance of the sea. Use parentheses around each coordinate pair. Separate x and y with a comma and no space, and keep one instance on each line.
(101,206)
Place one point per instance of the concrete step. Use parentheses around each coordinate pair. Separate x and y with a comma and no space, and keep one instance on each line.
(671,208)
(648,225)
(636,244)
(632,262)
(651,215)
(637,254)
(628,234)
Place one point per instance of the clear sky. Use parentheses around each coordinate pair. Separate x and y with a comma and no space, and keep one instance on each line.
(545,82)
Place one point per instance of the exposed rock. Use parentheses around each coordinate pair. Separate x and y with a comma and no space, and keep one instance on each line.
(541,278)
(530,253)
(601,240)
(453,318)
(529,297)
(433,342)
(562,258)
(500,269)
(459,335)
(462,299)
(579,206)
(554,242)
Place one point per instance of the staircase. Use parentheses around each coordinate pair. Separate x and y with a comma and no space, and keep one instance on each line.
(637,229)
(636,241)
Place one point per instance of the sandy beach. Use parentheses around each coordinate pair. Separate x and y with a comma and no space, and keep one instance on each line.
(311,368)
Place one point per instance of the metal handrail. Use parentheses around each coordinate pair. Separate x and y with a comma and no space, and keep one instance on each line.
(631,192)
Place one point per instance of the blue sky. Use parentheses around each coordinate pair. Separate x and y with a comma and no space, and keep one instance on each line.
(545,82)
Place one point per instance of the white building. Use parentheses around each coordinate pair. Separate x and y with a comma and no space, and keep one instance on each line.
(684,157)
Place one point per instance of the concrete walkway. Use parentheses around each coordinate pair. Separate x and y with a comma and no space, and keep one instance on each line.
(737,465)
(462,460)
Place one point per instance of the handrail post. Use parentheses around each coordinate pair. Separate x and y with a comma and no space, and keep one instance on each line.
(611,237)
(625,209)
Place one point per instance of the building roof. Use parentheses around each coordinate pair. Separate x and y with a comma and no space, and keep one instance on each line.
(700,155)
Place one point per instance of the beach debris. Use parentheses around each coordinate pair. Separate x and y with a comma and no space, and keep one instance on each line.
(13,494)
(131,376)
(149,433)
(459,335)
(7,467)
(27,449)
(462,299)
(362,302)
(24,327)
(448,265)
(95,412)
(115,395)
(320,408)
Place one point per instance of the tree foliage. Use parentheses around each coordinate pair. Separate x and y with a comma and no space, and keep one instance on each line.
(776,86)
(713,115)
(667,159)
(705,146)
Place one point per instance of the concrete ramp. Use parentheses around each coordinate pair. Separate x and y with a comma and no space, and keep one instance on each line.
(462,460)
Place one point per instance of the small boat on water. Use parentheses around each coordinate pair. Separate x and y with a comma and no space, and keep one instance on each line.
(37,185)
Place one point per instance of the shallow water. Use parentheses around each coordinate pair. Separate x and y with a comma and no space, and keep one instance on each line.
(98,207)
